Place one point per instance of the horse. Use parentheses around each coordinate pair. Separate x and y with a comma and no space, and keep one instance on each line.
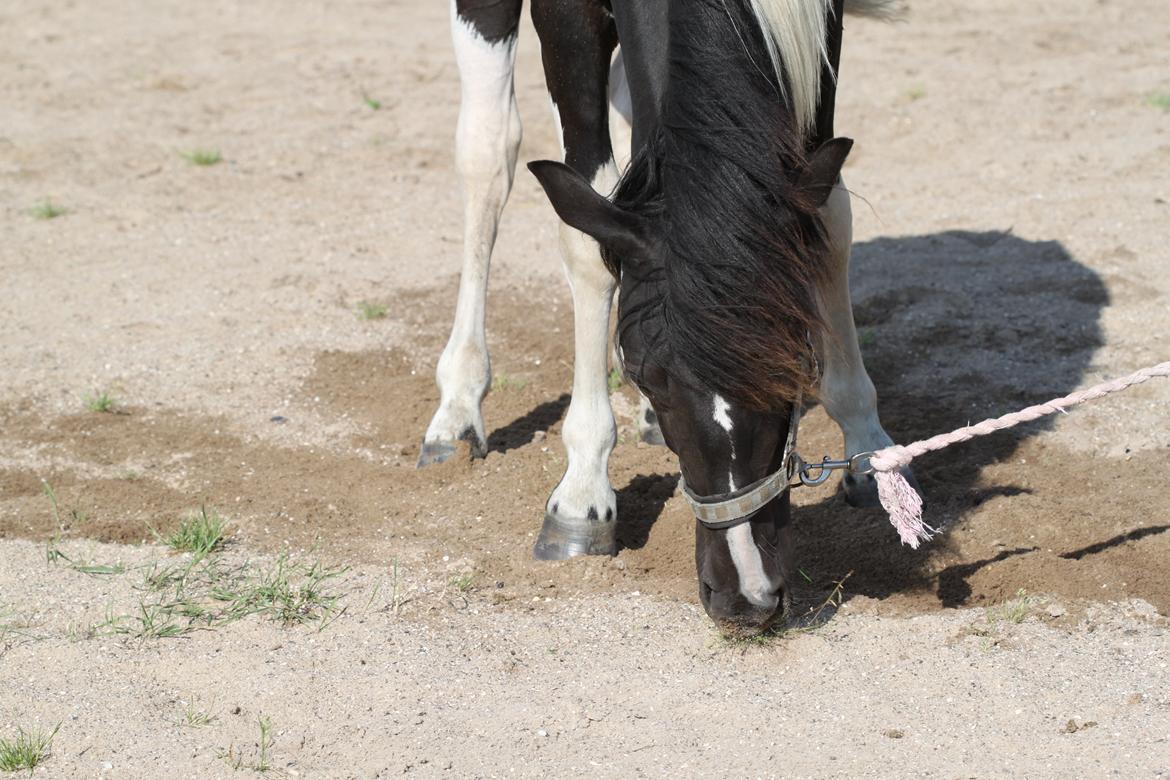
(729,235)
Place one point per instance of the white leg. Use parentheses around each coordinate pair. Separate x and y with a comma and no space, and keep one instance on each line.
(846,389)
(487,140)
(621,112)
(580,515)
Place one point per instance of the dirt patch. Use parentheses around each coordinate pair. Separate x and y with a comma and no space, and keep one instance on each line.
(1019,512)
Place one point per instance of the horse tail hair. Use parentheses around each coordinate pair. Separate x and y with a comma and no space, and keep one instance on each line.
(796,35)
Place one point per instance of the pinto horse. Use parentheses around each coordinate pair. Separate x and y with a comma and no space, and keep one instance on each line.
(729,234)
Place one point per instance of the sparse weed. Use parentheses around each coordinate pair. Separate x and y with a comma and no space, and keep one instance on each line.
(47,209)
(27,750)
(373,103)
(614,380)
(266,741)
(290,594)
(1160,100)
(100,402)
(866,338)
(13,629)
(368,310)
(463,583)
(205,592)
(396,597)
(916,93)
(196,718)
(1015,611)
(200,533)
(263,763)
(202,157)
(508,382)
(151,621)
(53,553)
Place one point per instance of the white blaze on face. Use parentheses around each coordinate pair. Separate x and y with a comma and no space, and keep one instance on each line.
(753,581)
(721,416)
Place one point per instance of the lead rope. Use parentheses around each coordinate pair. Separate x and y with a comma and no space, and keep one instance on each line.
(902,502)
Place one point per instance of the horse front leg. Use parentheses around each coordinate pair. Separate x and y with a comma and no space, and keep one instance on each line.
(846,389)
(487,140)
(577,38)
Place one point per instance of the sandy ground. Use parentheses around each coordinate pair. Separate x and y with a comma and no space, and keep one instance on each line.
(1013,248)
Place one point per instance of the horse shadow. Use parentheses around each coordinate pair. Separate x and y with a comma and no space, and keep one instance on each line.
(955,327)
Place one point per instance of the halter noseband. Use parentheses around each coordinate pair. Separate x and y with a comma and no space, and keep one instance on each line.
(727,510)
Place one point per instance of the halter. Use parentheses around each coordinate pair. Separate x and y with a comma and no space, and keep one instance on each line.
(727,510)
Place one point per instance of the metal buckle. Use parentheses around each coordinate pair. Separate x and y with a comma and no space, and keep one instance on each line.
(827,466)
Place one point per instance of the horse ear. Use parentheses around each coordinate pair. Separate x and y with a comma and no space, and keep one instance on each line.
(584,208)
(824,168)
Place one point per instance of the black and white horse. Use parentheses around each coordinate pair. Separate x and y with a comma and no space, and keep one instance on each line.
(729,234)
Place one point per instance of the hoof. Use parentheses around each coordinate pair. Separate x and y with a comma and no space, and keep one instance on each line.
(861,491)
(560,540)
(650,430)
(653,436)
(434,452)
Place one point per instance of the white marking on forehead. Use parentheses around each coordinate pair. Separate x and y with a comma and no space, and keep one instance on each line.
(753,582)
(721,415)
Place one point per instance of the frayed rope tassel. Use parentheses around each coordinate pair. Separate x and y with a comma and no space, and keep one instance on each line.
(902,501)
(904,506)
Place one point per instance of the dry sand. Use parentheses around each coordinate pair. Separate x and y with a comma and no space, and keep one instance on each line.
(1013,249)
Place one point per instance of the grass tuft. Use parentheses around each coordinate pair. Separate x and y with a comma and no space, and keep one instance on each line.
(200,533)
(1015,611)
(100,402)
(614,380)
(195,718)
(203,157)
(27,751)
(368,310)
(463,583)
(508,382)
(47,209)
(373,103)
(263,763)
(1160,100)
(207,593)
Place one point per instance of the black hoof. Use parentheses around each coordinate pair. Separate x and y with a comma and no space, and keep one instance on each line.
(435,452)
(560,540)
(650,430)
(861,490)
(653,436)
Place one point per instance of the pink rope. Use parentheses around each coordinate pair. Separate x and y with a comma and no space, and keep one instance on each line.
(903,503)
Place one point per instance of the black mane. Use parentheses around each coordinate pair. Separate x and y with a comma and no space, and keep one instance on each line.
(744,247)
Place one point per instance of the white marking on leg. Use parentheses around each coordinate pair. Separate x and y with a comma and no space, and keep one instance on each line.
(589,432)
(753,581)
(560,128)
(487,140)
(621,111)
(846,389)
